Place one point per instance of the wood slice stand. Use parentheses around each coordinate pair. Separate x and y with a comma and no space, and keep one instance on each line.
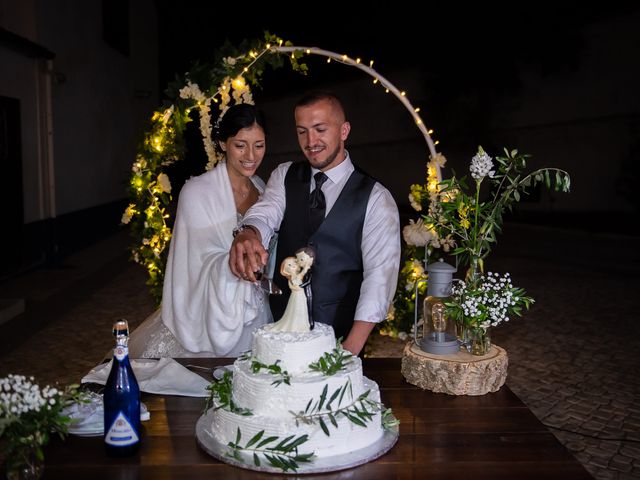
(457,374)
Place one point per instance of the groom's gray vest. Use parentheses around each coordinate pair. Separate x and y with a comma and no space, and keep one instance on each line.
(337,268)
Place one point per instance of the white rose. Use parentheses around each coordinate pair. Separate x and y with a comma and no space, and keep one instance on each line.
(416,233)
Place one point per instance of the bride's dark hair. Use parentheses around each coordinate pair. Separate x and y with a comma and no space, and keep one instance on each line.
(237,117)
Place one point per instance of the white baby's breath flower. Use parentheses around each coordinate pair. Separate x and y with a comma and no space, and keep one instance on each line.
(29,414)
(488,303)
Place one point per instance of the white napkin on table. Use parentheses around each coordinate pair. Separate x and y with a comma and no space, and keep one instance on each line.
(164,376)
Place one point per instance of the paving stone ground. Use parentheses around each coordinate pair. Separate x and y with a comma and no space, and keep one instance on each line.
(573,358)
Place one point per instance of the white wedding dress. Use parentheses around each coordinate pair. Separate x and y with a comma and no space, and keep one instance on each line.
(206,310)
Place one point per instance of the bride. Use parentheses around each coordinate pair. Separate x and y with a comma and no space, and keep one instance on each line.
(206,310)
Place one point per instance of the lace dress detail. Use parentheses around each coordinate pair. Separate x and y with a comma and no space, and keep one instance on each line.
(153,339)
(162,343)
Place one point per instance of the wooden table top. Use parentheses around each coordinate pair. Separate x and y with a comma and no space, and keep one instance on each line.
(493,436)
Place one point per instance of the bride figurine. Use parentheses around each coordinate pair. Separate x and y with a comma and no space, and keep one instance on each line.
(296,315)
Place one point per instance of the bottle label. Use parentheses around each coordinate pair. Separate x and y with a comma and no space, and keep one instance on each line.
(121,433)
(121,352)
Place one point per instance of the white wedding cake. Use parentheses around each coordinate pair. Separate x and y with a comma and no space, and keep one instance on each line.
(300,388)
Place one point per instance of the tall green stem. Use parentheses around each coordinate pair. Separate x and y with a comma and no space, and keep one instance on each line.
(474,254)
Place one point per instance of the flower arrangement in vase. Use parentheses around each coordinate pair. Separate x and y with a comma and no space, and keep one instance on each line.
(464,221)
(472,221)
(29,414)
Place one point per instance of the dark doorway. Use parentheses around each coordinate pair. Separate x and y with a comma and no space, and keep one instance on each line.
(11,192)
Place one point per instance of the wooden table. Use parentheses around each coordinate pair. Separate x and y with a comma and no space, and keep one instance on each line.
(494,436)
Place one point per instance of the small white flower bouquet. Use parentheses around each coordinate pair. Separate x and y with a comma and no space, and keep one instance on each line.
(28,415)
(488,303)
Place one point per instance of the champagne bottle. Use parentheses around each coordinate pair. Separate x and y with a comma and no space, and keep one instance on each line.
(121,399)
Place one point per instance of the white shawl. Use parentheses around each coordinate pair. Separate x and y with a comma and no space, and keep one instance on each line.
(203,304)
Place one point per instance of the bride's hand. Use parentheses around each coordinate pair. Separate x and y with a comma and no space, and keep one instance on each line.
(247,255)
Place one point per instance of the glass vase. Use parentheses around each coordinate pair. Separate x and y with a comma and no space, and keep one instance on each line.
(25,464)
(477,340)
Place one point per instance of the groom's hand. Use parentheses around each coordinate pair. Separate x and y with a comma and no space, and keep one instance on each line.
(247,255)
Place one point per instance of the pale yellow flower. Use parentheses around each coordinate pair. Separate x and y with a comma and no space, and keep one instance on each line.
(439,159)
(129,212)
(165,184)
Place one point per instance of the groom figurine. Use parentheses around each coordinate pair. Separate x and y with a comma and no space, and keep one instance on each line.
(349,219)
(302,257)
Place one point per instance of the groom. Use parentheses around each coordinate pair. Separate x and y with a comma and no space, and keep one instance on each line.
(349,219)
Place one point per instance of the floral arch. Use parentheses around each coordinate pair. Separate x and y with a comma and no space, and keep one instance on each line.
(203,88)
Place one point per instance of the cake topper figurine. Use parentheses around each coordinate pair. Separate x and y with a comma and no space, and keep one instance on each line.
(297,316)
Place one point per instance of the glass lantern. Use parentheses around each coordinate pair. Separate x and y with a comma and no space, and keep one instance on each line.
(438,331)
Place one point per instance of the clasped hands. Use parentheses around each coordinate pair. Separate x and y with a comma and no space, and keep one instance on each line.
(247,256)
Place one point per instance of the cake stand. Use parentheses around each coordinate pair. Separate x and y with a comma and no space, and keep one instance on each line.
(213,447)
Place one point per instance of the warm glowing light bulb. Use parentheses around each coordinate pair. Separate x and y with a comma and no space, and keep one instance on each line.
(344,57)
(246,69)
(370,63)
(436,142)
(308,51)
(268,46)
(403,93)
(357,60)
(375,80)
(329,60)
(238,82)
(386,90)
(417,109)
(438,317)
(430,131)
(419,122)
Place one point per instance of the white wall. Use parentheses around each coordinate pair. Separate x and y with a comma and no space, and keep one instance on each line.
(101,100)
(20,79)
(96,114)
